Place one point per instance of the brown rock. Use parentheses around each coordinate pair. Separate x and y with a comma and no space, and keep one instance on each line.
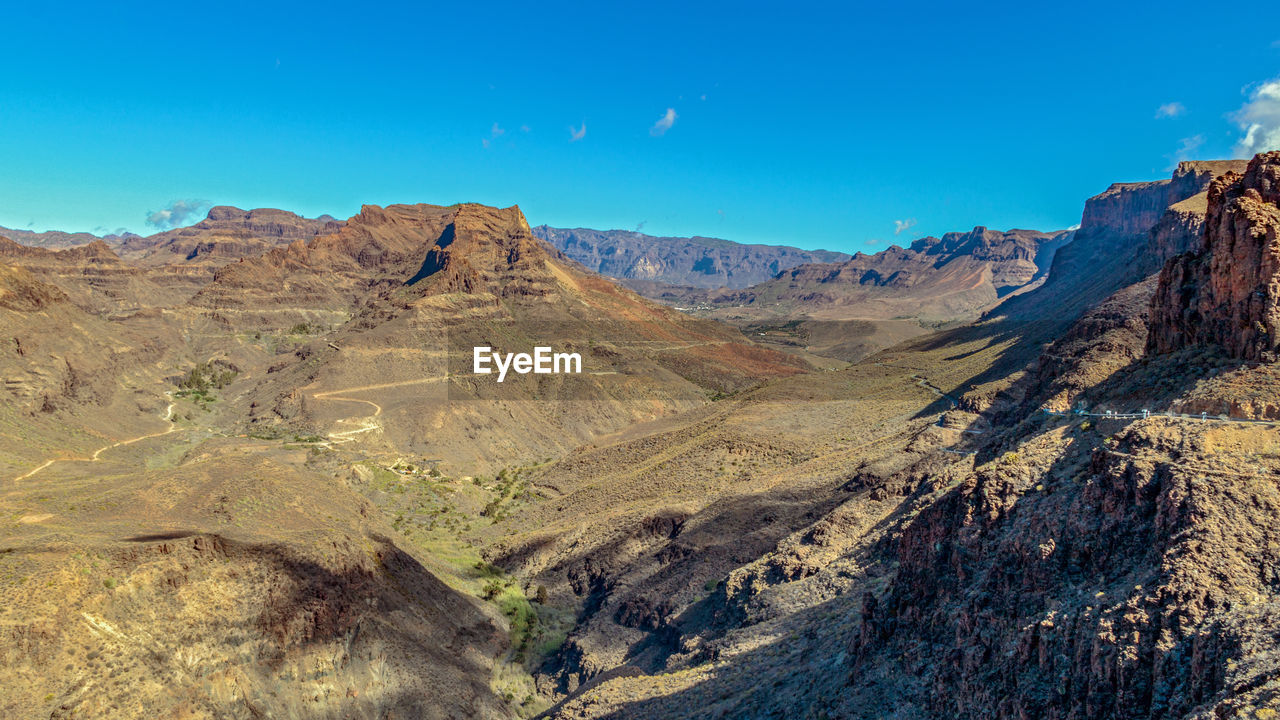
(1228,293)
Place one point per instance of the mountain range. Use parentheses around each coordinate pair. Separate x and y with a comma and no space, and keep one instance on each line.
(646,263)
(247,469)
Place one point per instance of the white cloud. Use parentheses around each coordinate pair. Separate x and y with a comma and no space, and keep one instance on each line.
(1170,110)
(901,226)
(576,134)
(664,123)
(178,213)
(1187,147)
(494,133)
(1259,118)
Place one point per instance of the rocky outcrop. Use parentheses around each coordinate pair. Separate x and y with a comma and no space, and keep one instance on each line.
(21,292)
(56,239)
(1133,208)
(1228,293)
(1012,257)
(92,275)
(228,233)
(953,276)
(695,262)
(1178,231)
(460,248)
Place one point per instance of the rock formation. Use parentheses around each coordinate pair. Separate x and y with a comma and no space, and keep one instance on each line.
(953,276)
(226,234)
(694,262)
(56,239)
(1228,292)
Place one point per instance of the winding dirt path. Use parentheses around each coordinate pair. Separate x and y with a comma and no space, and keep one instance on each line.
(97,454)
(366,423)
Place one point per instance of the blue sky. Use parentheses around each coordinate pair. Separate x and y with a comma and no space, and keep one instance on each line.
(817,125)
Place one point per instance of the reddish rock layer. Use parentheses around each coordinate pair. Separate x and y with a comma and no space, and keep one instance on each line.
(1228,293)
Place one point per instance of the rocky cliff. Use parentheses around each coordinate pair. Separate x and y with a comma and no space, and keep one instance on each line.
(952,276)
(463,247)
(696,262)
(1133,208)
(226,234)
(1228,292)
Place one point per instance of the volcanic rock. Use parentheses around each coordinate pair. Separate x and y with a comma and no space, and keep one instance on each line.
(648,262)
(1228,292)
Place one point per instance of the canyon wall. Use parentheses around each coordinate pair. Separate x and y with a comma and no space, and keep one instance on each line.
(1228,292)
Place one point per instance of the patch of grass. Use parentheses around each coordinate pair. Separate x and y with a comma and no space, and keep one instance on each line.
(307,328)
(200,382)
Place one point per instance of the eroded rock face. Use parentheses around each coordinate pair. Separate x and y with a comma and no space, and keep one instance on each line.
(697,262)
(1228,292)
(228,233)
(1133,208)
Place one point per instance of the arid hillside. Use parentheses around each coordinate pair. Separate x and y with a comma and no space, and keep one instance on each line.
(1023,561)
(224,459)
(272,485)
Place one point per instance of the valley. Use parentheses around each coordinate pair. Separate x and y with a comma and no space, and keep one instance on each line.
(250,471)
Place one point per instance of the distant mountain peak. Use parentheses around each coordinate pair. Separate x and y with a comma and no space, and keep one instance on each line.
(700,262)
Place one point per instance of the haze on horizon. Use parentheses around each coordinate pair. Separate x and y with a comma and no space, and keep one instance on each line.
(811,127)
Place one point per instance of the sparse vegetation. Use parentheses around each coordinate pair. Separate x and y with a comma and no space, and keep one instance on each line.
(307,328)
(200,382)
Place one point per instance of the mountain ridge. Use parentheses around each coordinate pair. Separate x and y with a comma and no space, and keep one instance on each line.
(694,261)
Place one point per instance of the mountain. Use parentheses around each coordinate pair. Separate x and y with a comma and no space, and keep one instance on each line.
(850,309)
(226,234)
(1144,223)
(646,263)
(56,239)
(244,436)
(935,278)
(994,560)
(444,280)
(92,275)
(285,492)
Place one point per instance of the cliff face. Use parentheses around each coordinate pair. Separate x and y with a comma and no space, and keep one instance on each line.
(226,234)
(468,248)
(1177,232)
(1228,292)
(1133,208)
(696,262)
(956,275)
